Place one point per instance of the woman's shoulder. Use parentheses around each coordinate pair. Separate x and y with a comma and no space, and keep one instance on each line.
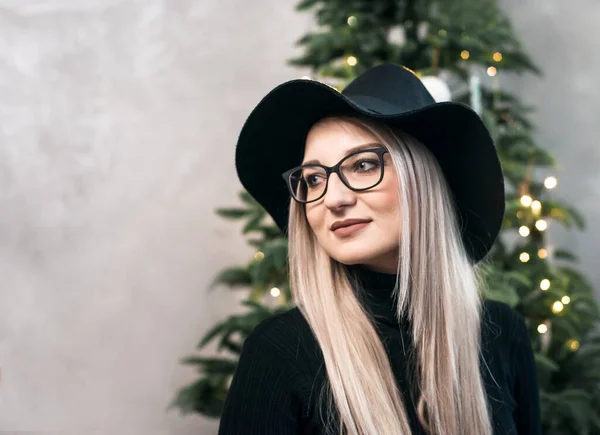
(287,333)
(502,323)
(502,314)
(499,311)
(277,325)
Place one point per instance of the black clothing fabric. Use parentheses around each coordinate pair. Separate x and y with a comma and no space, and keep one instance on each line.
(277,385)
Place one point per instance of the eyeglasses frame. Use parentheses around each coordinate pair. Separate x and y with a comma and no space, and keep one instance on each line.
(380,151)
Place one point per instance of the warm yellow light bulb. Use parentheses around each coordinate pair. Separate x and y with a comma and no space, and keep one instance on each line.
(545,284)
(524,257)
(574,344)
(497,56)
(275,292)
(550,182)
(352,21)
(542,253)
(536,206)
(491,71)
(465,54)
(351,60)
(557,307)
(259,255)
(565,300)
(526,200)
(542,328)
(524,231)
(541,225)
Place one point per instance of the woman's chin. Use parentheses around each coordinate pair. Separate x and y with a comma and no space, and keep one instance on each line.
(351,256)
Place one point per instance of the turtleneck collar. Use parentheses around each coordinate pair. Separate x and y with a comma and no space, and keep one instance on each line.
(376,292)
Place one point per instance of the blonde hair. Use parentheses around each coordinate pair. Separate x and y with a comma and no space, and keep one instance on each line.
(437,287)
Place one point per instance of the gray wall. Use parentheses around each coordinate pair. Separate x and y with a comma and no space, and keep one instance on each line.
(118,125)
(118,121)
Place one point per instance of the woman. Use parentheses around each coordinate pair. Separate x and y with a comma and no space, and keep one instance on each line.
(390,201)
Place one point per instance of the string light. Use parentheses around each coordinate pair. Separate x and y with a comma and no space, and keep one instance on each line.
(259,255)
(542,253)
(574,344)
(541,225)
(557,307)
(351,60)
(542,329)
(524,231)
(545,284)
(465,54)
(536,206)
(550,182)
(524,257)
(497,56)
(526,200)
(565,300)
(352,21)
(275,292)
(491,71)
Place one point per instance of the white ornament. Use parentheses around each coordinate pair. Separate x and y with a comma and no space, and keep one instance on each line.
(396,35)
(438,88)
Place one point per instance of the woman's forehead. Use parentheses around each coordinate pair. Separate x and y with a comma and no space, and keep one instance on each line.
(328,140)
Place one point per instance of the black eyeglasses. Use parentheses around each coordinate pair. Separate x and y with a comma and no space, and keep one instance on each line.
(361,170)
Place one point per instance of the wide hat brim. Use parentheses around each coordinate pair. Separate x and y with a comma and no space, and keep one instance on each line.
(273,137)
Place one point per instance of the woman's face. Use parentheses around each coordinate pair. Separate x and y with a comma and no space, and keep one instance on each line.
(375,244)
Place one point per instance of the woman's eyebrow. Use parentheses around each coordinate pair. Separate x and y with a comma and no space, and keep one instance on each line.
(348,151)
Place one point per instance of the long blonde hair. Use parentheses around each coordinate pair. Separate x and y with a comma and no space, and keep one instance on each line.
(437,287)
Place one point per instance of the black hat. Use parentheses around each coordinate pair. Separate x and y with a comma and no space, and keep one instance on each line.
(273,137)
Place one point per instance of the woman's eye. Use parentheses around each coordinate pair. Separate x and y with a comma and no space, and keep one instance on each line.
(312,180)
(366,165)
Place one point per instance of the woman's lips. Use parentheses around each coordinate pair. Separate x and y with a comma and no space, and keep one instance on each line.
(350,229)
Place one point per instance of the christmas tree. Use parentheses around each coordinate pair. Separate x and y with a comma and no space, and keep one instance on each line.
(459,48)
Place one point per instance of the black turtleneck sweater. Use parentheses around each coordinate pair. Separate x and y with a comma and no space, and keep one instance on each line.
(277,384)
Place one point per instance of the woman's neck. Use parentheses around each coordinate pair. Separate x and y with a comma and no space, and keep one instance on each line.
(376,292)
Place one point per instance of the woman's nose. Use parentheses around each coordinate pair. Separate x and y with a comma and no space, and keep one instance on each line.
(338,194)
